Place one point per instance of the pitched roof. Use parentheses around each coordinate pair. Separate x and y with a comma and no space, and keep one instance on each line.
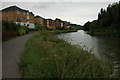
(58,19)
(49,19)
(31,13)
(12,8)
(38,16)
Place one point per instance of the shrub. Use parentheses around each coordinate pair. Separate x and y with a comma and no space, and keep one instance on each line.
(22,31)
(10,30)
(9,26)
(40,27)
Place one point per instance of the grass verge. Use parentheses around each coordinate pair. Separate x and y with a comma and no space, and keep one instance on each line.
(46,56)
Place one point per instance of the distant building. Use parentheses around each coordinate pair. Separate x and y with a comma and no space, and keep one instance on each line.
(24,17)
(18,16)
(39,20)
(57,23)
(66,24)
(62,24)
(50,23)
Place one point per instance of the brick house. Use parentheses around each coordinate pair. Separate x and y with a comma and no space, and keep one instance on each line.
(57,23)
(18,16)
(39,20)
(31,19)
(61,24)
(66,24)
(24,17)
(50,23)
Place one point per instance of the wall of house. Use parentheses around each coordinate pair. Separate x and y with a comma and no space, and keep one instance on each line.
(50,23)
(45,22)
(8,16)
(57,23)
(31,20)
(42,21)
(22,15)
(62,25)
(37,20)
(65,24)
(13,15)
(0,16)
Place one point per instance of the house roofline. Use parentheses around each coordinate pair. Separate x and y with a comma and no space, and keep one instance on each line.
(12,8)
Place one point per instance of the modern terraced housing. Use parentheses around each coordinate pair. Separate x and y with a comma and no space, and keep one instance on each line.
(26,18)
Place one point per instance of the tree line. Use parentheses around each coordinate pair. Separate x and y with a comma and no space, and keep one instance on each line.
(108,22)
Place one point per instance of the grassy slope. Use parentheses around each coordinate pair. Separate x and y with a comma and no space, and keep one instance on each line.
(46,56)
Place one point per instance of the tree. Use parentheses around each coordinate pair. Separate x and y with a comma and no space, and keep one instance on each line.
(86,26)
(108,20)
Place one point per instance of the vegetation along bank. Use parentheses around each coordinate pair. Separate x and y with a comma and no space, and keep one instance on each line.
(46,56)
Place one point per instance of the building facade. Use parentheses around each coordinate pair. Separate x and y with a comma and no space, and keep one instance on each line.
(57,23)
(50,23)
(39,20)
(24,17)
(18,16)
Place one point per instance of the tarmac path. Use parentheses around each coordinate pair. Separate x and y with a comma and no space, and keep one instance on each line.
(11,51)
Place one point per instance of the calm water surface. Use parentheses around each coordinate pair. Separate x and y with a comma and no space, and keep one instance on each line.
(103,48)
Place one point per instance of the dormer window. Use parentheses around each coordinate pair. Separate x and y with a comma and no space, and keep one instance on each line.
(18,12)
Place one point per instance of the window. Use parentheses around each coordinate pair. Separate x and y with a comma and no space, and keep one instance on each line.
(18,19)
(18,12)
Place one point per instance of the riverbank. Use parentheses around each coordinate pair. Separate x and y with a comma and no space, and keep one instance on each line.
(46,56)
(63,31)
(111,34)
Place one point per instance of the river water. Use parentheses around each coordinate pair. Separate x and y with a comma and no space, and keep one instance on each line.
(104,48)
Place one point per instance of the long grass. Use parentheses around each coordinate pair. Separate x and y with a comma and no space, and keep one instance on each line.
(46,56)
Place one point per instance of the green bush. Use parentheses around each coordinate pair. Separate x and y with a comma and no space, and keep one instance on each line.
(10,30)
(9,26)
(23,30)
(40,27)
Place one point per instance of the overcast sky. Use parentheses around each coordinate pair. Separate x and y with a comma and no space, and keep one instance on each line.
(74,11)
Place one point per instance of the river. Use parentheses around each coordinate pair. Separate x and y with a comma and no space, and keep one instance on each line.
(104,48)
